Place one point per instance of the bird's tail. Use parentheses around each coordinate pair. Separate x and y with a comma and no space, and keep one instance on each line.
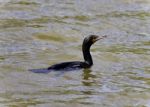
(41,70)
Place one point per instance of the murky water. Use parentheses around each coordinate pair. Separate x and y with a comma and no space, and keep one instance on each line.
(38,33)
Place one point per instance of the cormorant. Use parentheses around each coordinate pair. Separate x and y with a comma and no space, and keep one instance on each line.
(74,65)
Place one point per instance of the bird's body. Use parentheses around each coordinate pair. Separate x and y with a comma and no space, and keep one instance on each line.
(65,66)
(74,65)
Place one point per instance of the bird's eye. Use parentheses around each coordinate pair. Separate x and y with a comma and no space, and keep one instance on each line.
(94,38)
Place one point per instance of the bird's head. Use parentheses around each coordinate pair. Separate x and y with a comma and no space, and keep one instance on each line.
(89,40)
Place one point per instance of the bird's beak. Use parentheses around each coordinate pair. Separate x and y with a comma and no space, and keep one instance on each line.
(98,38)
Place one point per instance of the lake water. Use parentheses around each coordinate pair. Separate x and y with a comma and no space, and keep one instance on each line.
(39,33)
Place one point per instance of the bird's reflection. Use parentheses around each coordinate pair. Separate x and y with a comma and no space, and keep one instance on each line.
(88,77)
(88,81)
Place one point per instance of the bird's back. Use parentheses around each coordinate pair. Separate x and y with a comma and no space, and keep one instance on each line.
(67,66)
(64,66)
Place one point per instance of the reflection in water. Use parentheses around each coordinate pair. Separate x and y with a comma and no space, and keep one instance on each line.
(87,81)
(87,77)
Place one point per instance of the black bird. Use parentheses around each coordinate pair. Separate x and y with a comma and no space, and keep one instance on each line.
(74,65)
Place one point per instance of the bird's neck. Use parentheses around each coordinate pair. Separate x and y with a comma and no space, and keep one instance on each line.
(86,54)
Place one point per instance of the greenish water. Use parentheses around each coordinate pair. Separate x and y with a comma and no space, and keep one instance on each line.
(38,33)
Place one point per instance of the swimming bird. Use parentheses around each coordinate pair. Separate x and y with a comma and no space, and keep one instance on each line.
(75,65)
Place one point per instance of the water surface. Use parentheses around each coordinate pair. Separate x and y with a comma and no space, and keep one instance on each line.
(38,33)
